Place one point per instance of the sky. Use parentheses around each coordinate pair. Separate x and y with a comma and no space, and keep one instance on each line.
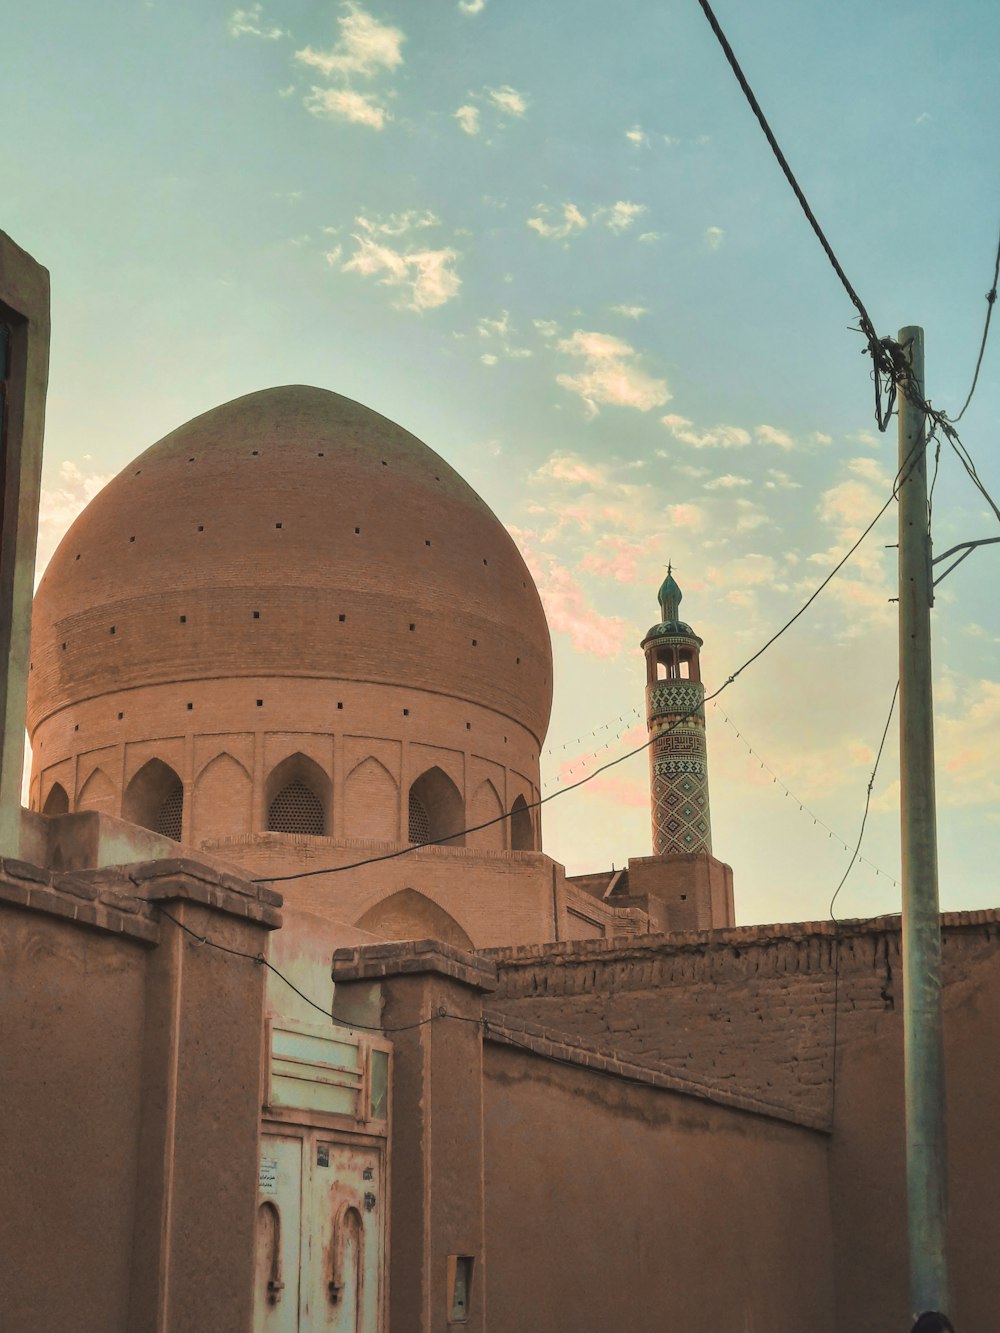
(551,241)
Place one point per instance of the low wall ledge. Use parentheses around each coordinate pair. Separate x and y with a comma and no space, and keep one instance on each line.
(367,961)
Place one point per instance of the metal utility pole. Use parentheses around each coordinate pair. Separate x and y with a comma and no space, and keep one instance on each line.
(926,1163)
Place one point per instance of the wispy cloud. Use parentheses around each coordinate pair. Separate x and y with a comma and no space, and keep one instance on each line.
(617,217)
(499,331)
(572,221)
(620,216)
(249,22)
(714,236)
(637,136)
(718,437)
(365,49)
(59,504)
(610,374)
(347,104)
(468,119)
(566,606)
(727,482)
(505,103)
(472,6)
(426,277)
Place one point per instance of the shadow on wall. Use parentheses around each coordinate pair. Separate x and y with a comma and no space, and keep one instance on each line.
(408,915)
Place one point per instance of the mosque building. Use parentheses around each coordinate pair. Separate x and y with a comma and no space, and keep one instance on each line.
(291,636)
(304,1032)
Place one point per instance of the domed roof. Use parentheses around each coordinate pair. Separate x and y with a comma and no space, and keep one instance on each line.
(291,532)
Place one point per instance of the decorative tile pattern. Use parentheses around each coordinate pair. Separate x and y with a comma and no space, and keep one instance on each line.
(679,769)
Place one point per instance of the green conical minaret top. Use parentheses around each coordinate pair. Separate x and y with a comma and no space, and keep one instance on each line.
(670,599)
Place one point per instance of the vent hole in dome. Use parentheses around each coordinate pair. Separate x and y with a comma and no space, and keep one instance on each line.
(255,453)
(170,813)
(296,809)
(190,707)
(256,615)
(120,716)
(131,539)
(427,541)
(260,703)
(357,532)
(412,628)
(182,619)
(420,824)
(406,712)
(113,630)
(341,618)
(201,527)
(190,460)
(277,525)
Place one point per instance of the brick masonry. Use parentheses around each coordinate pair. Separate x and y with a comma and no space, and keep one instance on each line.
(747,1012)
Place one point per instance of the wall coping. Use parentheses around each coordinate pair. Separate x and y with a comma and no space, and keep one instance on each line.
(122,900)
(407,957)
(703,941)
(565,1048)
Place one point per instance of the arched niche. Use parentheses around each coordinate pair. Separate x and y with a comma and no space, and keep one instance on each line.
(487,808)
(155,800)
(436,811)
(409,915)
(98,793)
(371,799)
(57,801)
(221,807)
(297,797)
(522,831)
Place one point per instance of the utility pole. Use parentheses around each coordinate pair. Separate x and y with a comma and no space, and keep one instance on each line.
(926,1161)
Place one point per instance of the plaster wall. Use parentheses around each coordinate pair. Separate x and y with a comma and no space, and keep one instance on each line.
(72,1013)
(610,1206)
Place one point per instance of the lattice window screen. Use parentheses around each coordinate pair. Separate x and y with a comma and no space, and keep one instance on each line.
(297,809)
(420,824)
(170,813)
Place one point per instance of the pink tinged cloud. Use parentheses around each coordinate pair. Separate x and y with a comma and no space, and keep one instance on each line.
(566,607)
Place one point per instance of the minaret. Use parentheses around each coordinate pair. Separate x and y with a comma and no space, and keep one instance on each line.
(675,713)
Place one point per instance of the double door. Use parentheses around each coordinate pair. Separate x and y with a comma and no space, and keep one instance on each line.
(321,1211)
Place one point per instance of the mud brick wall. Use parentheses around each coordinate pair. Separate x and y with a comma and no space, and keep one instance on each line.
(745,1011)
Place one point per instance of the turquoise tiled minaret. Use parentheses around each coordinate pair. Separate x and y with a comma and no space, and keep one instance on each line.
(675,714)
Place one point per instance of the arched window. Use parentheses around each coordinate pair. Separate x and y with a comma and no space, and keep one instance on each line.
(57,802)
(522,834)
(298,797)
(436,809)
(420,822)
(155,800)
(296,809)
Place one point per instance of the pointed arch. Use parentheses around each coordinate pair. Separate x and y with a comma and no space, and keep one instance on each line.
(371,798)
(154,799)
(221,804)
(436,810)
(57,801)
(98,793)
(409,915)
(522,829)
(297,797)
(487,806)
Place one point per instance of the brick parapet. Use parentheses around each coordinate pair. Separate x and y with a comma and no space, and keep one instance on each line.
(370,961)
(122,900)
(750,1010)
(565,1048)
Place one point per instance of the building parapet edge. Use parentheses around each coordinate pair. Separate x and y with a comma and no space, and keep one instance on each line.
(371,961)
(122,900)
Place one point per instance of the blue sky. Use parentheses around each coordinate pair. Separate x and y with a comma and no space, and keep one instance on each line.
(551,241)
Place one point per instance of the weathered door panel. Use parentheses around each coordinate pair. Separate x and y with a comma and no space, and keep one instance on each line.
(342,1280)
(279,1230)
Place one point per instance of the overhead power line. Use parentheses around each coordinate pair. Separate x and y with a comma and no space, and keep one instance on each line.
(991,297)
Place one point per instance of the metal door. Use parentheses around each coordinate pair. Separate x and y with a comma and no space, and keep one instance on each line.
(320,1236)
(279,1229)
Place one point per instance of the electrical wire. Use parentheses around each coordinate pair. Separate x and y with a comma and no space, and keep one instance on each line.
(836,922)
(261,960)
(885,364)
(991,297)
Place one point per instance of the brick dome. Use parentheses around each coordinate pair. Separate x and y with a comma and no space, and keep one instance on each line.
(257,564)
